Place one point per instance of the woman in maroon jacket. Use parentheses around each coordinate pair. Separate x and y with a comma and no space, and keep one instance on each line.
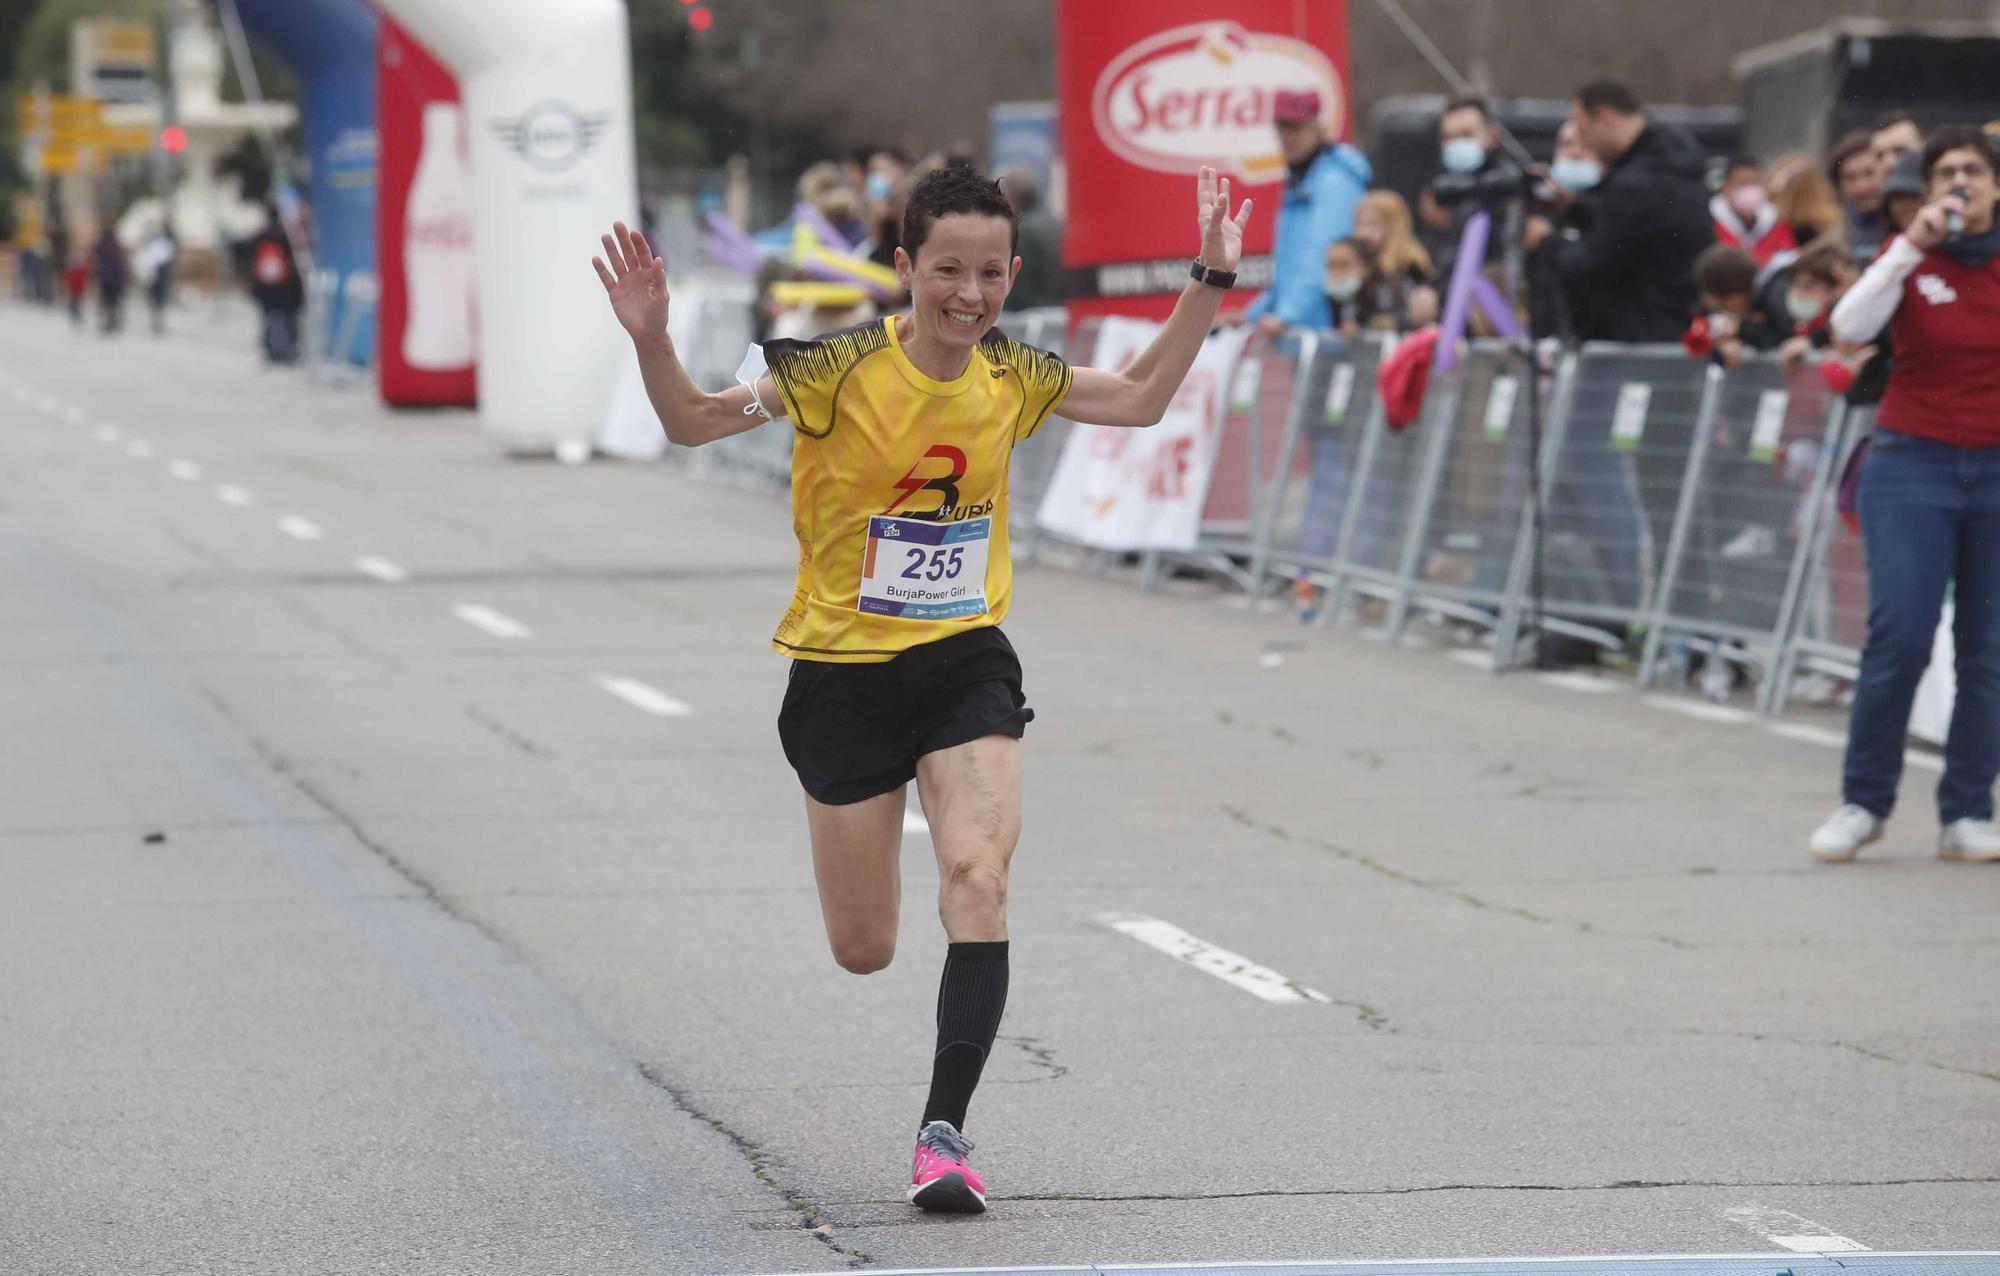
(1930,502)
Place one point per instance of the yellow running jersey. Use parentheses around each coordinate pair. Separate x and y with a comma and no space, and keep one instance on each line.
(899,487)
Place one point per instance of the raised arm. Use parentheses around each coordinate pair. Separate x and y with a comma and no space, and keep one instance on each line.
(1139,395)
(636,282)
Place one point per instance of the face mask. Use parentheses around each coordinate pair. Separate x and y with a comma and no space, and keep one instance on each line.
(1463,155)
(880,186)
(1803,309)
(1342,287)
(1575,173)
(1747,201)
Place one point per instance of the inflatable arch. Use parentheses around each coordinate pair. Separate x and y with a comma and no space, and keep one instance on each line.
(548,127)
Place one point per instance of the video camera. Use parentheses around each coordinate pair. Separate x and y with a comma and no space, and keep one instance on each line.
(1495,184)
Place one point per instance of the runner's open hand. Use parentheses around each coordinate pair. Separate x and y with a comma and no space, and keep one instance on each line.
(1221,234)
(636,281)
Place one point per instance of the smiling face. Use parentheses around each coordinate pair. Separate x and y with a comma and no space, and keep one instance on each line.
(959,279)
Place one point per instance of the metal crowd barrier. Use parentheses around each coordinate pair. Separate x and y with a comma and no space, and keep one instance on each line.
(1618,455)
(1465,536)
(1826,622)
(1035,458)
(1304,505)
(1266,398)
(1746,505)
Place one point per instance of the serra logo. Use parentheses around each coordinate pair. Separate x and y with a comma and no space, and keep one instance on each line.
(1202,94)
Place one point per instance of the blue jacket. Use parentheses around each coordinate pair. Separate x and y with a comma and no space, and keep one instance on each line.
(1317,209)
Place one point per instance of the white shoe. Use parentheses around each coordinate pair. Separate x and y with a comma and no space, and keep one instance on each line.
(1845,832)
(1970,842)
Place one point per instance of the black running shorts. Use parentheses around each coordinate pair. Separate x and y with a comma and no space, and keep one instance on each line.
(854,731)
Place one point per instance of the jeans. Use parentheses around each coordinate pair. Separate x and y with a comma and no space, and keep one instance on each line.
(281,334)
(1930,515)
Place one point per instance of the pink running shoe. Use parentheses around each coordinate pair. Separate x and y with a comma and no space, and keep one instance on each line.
(939,1177)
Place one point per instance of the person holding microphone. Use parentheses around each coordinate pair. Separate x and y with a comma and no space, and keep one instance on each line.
(1929,502)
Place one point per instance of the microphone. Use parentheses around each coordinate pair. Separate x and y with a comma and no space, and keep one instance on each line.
(1954,221)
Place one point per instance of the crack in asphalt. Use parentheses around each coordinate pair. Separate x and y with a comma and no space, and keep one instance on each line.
(1039,1056)
(811,1218)
(1867,1052)
(283,766)
(1367,757)
(507,733)
(1621,1185)
(1440,889)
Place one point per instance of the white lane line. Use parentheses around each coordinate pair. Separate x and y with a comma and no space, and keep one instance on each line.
(480,616)
(1805,733)
(107,434)
(184,470)
(1578,682)
(1260,981)
(1475,658)
(914,822)
(1923,761)
(1786,1229)
(230,494)
(141,450)
(300,528)
(381,569)
(75,415)
(642,696)
(1699,709)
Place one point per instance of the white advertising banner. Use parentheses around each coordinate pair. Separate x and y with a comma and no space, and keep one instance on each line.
(1126,489)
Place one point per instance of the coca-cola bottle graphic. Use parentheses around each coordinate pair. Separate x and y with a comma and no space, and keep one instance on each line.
(437,248)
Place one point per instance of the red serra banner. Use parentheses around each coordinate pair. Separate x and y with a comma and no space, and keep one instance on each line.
(423,229)
(1150,93)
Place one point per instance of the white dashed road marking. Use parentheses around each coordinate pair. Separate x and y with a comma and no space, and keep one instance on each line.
(1578,682)
(184,470)
(230,494)
(107,434)
(1807,734)
(75,415)
(300,528)
(1788,1230)
(381,569)
(482,617)
(1259,981)
(139,449)
(642,696)
(1699,709)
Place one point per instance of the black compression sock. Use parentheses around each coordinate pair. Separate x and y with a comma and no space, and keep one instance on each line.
(971,995)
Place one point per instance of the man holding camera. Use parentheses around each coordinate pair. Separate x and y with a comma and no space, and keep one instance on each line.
(1630,272)
(1477,177)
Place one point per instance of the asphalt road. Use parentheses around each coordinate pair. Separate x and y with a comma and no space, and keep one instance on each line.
(462,921)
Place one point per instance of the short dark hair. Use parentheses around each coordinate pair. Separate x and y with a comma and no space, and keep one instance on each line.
(1825,260)
(1470,102)
(1724,270)
(1891,118)
(1611,94)
(1742,161)
(1850,145)
(1957,137)
(955,189)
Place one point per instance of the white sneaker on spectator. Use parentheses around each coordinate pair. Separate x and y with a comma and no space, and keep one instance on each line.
(1970,841)
(1845,832)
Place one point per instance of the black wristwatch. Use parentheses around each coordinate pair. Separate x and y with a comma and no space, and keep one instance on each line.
(1224,279)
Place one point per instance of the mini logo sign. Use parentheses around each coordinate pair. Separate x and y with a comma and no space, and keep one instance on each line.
(1936,290)
(552,136)
(1202,94)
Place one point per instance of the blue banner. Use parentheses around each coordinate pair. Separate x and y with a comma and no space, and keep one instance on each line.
(330,46)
